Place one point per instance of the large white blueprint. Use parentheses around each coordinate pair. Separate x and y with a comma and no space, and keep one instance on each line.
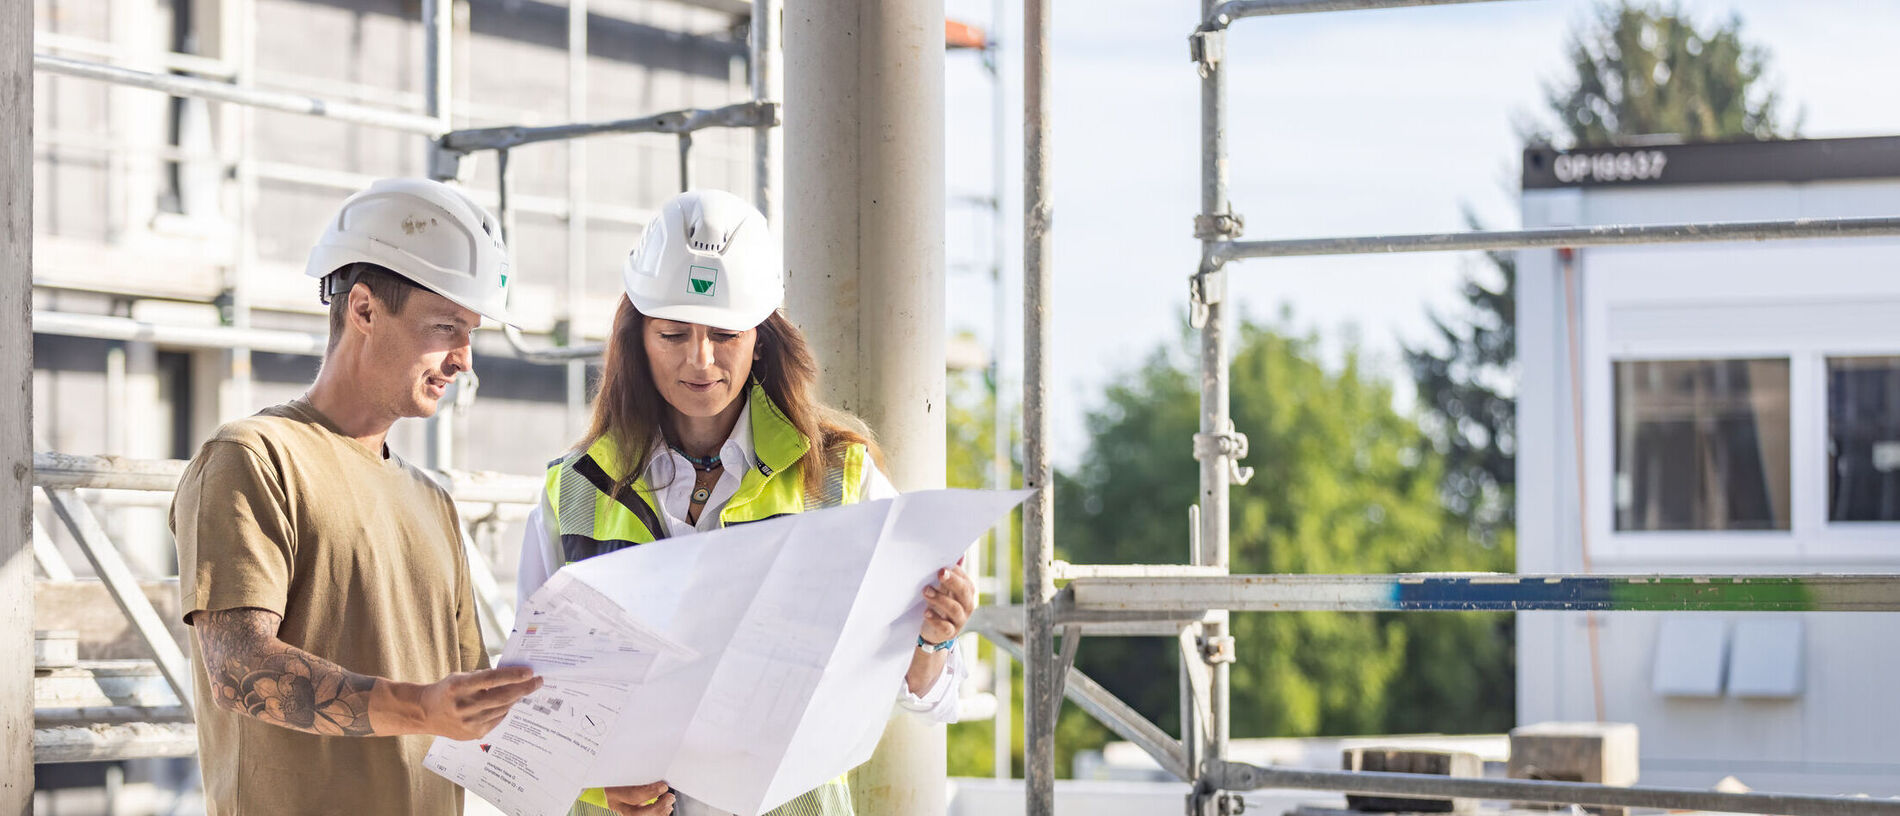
(744,666)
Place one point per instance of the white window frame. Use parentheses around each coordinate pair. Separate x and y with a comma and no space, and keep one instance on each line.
(1724,301)
(1849,535)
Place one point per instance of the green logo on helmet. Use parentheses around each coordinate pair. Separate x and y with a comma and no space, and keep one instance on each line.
(702,279)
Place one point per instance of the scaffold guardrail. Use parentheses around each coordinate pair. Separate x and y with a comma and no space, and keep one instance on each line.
(188,86)
(1491,592)
(131,732)
(1567,237)
(1241,776)
(1162,599)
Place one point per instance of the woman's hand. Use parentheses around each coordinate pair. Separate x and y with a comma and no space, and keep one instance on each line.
(948,605)
(651,799)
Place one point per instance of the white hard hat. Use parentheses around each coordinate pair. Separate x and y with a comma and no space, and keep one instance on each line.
(708,258)
(425,231)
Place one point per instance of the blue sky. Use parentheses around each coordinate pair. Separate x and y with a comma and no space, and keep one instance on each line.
(1340,124)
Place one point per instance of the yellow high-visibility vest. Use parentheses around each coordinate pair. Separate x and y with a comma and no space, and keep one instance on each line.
(592,522)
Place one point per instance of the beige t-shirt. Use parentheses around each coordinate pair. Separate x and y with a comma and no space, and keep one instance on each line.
(362,557)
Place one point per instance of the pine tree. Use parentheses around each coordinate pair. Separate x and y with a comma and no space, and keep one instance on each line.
(1637,70)
(1647,70)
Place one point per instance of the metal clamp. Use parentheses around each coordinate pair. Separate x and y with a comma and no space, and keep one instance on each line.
(1230,445)
(1206,49)
(1218,649)
(446,164)
(1218,226)
(1205,288)
(1214,803)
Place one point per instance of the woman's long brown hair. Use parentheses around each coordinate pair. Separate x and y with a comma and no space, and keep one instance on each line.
(629,409)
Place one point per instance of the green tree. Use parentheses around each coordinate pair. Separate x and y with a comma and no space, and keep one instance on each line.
(1344,484)
(1637,69)
(971,427)
(970,747)
(1647,69)
(1464,395)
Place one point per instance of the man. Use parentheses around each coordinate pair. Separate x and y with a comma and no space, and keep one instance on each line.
(323,575)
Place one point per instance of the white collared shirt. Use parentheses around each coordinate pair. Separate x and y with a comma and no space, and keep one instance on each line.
(671,476)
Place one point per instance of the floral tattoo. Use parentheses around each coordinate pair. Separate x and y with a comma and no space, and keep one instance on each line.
(252,671)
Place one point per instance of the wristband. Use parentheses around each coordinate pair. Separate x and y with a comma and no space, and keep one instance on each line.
(935,647)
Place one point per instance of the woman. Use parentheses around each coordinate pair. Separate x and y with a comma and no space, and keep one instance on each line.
(706,416)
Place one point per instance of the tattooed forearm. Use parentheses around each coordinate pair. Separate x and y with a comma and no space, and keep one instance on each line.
(254,672)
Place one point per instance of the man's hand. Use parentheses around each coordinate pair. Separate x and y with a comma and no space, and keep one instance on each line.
(252,672)
(948,605)
(651,799)
(468,705)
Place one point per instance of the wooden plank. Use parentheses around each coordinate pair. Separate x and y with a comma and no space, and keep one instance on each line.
(98,743)
(16,405)
(102,684)
(85,606)
(87,716)
(1411,760)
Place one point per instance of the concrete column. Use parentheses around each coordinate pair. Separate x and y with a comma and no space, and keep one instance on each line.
(863,225)
(16,403)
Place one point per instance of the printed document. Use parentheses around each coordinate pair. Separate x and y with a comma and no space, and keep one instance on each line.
(744,666)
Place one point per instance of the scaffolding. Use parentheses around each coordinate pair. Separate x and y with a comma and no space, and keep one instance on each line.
(145,729)
(142,729)
(1189,602)
(1192,602)
(149,725)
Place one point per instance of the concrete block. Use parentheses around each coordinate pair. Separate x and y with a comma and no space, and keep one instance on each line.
(1398,760)
(55,649)
(1598,753)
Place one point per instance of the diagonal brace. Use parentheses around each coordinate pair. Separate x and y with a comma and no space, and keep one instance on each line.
(124,587)
(1065,663)
(1103,705)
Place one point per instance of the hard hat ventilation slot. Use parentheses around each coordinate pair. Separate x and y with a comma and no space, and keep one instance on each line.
(704,239)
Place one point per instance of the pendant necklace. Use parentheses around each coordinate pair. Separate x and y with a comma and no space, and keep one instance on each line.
(705,465)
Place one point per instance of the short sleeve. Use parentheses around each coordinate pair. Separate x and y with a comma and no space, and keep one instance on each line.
(236,542)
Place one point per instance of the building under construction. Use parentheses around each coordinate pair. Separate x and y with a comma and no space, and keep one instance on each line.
(178,154)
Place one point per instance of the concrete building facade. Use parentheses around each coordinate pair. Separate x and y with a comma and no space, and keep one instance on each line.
(139,213)
(145,208)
